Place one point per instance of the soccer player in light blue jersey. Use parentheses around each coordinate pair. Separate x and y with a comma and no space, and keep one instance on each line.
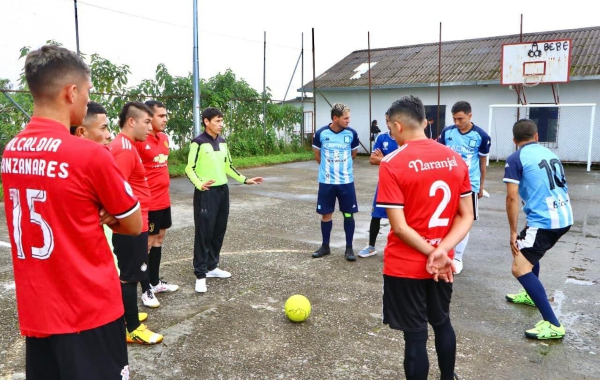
(335,147)
(473,145)
(536,175)
(384,145)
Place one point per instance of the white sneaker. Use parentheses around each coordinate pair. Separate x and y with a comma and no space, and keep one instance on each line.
(164,286)
(201,285)
(149,299)
(218,273)
(459,266)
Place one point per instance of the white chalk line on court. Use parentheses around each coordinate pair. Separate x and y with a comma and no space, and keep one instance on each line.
(4,244)
(241,253)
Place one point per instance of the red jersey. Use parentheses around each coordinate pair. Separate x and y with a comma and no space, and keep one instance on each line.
(426,179)
(130,163)
(54,187)
(155,155)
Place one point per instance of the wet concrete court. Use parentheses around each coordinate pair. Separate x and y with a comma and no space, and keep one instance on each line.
(238,329)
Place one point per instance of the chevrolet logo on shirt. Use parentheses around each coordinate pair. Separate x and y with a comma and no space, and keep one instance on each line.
(161,158)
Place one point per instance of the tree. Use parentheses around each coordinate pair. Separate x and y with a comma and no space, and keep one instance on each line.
(249,131)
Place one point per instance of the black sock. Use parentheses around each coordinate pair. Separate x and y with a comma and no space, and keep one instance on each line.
(536,269)
(349,225)
(416,362)
(145,284)
(129,292)
(374,230)
(154,265)
(445,346)
(326,231)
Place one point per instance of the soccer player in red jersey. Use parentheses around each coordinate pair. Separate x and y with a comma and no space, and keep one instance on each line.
(426,190)
(54,188)
(155,154)
(132,252)
(95,128)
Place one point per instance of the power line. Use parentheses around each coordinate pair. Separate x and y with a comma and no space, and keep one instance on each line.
(182,26)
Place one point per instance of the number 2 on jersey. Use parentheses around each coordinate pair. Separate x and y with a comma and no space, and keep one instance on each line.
(435,220)
(33,196)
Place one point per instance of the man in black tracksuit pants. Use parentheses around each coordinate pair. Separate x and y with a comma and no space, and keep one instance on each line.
(209,163)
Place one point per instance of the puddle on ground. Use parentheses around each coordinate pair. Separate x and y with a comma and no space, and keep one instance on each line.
(578,281)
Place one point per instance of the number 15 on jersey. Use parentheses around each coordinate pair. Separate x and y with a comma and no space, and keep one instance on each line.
(32,197)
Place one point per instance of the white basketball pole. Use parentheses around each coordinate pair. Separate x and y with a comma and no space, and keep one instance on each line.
(589,163)
(490,134)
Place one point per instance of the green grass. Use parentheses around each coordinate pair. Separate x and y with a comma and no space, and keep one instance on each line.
(1,193)
(177,166)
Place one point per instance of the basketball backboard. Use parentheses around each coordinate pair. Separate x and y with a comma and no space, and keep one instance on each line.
(532,63)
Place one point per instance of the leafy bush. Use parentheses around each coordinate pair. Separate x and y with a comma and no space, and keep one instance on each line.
(247,130)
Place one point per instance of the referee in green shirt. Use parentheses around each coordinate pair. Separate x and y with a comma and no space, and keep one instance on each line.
(209,163)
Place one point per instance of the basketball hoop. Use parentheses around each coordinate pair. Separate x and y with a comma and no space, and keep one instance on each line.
(529,64)
(532,80)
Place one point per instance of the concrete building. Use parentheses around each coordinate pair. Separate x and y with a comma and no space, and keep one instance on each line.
(470,70)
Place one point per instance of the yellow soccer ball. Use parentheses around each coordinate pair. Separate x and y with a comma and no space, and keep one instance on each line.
(297,308)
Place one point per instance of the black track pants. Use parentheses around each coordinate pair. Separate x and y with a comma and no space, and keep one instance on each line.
(211,211)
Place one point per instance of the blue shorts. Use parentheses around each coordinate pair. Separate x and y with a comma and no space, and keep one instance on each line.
(377,212)
(345,194)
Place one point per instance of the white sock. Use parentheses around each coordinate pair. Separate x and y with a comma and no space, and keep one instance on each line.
(460,248)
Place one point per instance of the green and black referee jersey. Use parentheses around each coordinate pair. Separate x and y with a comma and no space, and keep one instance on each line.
(209,159)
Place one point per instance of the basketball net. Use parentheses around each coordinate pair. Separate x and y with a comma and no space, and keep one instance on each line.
(532,80)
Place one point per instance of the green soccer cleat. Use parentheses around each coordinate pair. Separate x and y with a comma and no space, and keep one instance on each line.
(522,297)
(545,330)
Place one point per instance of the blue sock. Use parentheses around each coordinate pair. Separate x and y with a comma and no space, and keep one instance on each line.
(536,269)
(326,231)
(349,225)
(536,291)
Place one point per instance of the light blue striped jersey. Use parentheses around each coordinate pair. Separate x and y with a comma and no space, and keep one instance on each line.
(542,186)
(470,146)
(336,154)
(385,143)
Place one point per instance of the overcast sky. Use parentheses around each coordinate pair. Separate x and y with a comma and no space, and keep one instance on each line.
(144,33)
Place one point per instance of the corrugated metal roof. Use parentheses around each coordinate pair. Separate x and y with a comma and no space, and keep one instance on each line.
(464,62)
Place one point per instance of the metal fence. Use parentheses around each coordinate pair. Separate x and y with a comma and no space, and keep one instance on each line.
(249,131)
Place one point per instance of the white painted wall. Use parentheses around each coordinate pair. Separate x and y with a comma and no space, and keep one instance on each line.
(573,125)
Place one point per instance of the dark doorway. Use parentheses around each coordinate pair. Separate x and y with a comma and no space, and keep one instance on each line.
(547,122)
(433,130)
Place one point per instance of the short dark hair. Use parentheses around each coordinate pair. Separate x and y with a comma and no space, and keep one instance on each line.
(133,110)
(410,108)
(210,113)
(338,109)
(95,109)
(524,130)
(154,103)
(49,66)
(461,106)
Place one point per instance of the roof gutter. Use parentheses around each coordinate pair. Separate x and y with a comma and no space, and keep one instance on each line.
(428,85)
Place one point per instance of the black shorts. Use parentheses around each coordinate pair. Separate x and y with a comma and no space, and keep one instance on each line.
(99,353)
(159,220)
(475,198)
(132,256)
(345,194)
(408,304)
(534,242)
